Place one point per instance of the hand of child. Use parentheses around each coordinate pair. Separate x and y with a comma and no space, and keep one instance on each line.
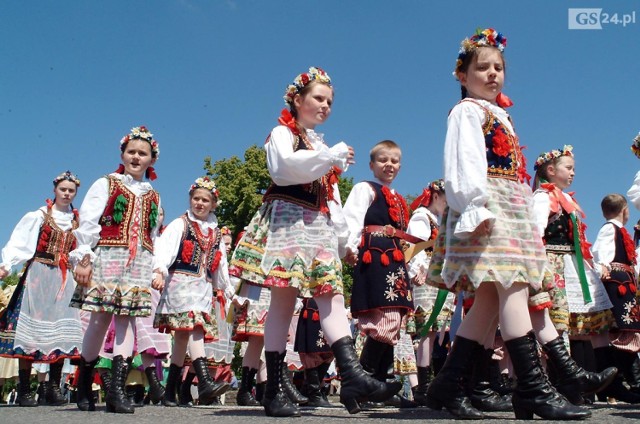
(483,230)
(3,273)
(351,257)
(421,277)
(158,281)
(83,272)
(351,156)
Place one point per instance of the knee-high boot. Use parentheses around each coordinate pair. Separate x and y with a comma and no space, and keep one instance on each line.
(25,395)
(156,391)
(276,402)
(289,388)
(420,391)
(313,383)
(482,396)
(358,386)
(173,381)
(534,394)
(84,391)
(245,396)
(573,380)
(184,390)
(606,357)
(116,398)
(52,392)
(208,389)
(448,387)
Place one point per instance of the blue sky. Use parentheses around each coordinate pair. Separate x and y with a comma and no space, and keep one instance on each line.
(207,78)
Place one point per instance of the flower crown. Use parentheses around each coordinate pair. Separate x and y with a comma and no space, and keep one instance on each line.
(437,185)
(141,133)
(205,183)
(482,38)
(545,157)
(302,81)
(424,199)
(635,147)
(225,231)
(66,176)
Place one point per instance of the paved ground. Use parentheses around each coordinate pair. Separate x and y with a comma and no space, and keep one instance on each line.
(233,414)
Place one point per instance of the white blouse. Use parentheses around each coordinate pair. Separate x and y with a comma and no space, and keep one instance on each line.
(24,238)
(604,248)
(289,167)
(465,163)
(634,192)
(420,226)
(355,208)
(168,244)
(93,206)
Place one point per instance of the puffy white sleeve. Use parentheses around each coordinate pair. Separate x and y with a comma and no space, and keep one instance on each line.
(465,168)
(220,277)
(88,232)
(419,226)
(541,210)
(355,208)
(634,192)
(289,167)
(23,241)
(604,248)
(339,221)
(167,246)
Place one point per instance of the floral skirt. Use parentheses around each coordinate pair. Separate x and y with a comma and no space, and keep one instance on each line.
(510,254)
(188,321)
(249,319)
(286,245)
(424,297)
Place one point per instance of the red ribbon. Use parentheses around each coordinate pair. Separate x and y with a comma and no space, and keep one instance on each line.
(223,304)
(423,199)
(287,119)
(503,101)
(151,173)
(559,200)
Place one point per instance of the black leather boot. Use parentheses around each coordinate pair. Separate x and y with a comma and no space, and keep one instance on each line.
(633,376)
(52,392)
(606,357)
(420,390)
(260,389)
(116,398)
(313,383)
(482,396)
(448,387)
(500,383)
(276,402)
(25,396)
(173,380)
(84,391)
(289,388)
(184,392)
(372,354)
(358,386)
(41,391)
(534,394)
(156,391)
(572,380)
(208,389)
(244,397)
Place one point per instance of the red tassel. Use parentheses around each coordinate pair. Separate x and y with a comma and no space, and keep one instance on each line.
(315,316)
(151,173)
(366,258)
(540,307)
(398,256)
(632,287)
(384,259)
(305,314)
(622,290)
(361,241)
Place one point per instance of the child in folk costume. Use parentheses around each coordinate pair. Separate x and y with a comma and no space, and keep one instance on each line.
(113,262)
(292,246)
(615,251)
(574,300)
(428,209)
(488,241)
(191,260)
(381,297)
(38,324)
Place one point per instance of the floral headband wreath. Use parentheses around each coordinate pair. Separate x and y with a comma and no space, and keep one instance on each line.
(66,176)
(141,133)
(635,147)
(304,79)
(482,38)
(425,197)
(546,157)
(205,183)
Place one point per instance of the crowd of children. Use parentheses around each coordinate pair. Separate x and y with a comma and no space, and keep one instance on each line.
(108,282)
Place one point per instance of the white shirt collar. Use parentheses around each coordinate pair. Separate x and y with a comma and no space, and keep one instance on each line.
(211,222)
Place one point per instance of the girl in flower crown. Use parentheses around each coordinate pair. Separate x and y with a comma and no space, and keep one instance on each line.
(292,243)
(428,209)
(113,262)
(488,242)
(191,260)
(574,300)
(38,325)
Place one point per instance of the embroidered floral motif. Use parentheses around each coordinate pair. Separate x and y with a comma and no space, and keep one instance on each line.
(632,312)
(320,342)
(501,145)
(397,286)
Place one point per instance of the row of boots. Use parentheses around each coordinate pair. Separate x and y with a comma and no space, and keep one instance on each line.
(48,391)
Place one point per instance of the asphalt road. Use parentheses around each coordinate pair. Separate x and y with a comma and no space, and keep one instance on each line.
(602,413)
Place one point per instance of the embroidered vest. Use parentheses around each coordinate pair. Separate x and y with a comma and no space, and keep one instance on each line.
(504,155)
(621,256)
(118,216)
(559,232)
(53,242)
(195,246)
(313,195)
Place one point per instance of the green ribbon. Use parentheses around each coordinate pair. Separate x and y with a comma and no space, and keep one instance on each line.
(584,284)
(437,307)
